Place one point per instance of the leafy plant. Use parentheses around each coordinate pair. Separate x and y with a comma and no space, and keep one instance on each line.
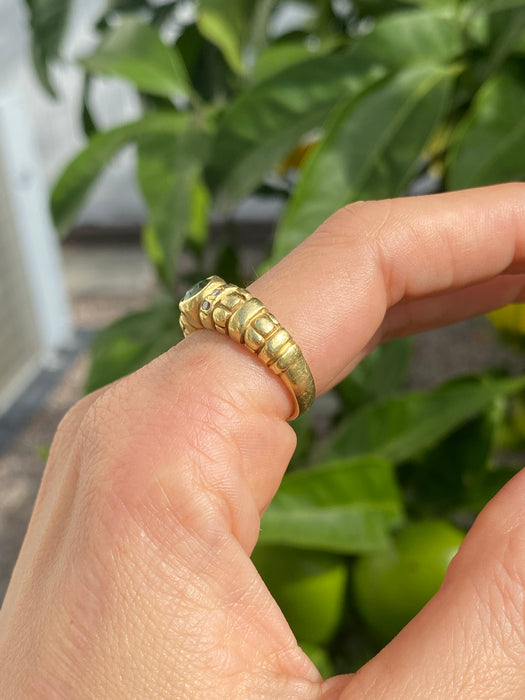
(351,101)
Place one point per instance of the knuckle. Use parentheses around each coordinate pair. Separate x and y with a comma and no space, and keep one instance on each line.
(70,422)
(179,438)
(66,438)
(372,230)
(367,221)
(345,226)
(144,447)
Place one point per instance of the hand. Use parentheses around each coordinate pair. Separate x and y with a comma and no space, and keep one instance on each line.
(135,581)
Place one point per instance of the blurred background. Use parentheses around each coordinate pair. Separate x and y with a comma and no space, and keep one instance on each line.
(145,144)
(53,295)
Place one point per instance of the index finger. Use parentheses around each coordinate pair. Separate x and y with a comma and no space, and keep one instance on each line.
(333,291)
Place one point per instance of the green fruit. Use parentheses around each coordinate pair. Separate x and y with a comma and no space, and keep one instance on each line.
(518,415)
(309,587)
(510,425)
(392,586)
(509,319)
(319,657)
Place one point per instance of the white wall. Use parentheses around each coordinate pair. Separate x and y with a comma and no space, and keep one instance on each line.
(56,123)
(32,289)
(115,199)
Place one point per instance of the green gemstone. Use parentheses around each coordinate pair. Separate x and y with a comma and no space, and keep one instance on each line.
(196,288)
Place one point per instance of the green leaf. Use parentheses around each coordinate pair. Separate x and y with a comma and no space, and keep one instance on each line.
(48,19)
(209,73)
(131,342)
(519,47)
(439,481)
(346,506)
(380,7)
(381,373)
(507,30)
(490,142)
(479,492)
(200,209)
(438,4)
(227,263)
(320,659)
(265,123)
(283,54)
(458,477)
(405,38)
(74,184)
(88,123)
(169,172)
(304,433)
(402,427)
(124,5)
(164,13)
(134,51)
(261,12)
(225,24)
(495,5)
(371,150)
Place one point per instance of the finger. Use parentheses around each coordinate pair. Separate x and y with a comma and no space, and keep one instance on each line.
(469,641)
(417,315)
(334,290)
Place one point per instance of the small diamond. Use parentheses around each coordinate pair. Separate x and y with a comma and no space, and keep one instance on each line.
(196,289)
(206,305)
(216,292)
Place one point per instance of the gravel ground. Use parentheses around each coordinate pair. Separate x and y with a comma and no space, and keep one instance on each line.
(105,282)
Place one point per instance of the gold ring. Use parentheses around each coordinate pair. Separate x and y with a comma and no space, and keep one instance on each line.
(233,311)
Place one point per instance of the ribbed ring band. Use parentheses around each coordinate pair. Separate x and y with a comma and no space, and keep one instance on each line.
(233,311)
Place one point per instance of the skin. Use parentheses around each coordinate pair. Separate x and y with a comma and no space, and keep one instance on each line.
(134,580)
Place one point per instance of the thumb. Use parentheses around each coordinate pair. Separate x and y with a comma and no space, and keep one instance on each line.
(468,641)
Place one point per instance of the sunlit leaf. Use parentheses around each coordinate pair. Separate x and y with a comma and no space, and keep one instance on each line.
(225,24)
(371,149)
(406,38)
(490,143)
(283,54)
(48,19)
(266,122)
(133,51)
(169,173)
(345,506)
(402,427)
(75,182)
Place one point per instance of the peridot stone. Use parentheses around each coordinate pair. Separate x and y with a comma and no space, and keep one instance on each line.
(196,288)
